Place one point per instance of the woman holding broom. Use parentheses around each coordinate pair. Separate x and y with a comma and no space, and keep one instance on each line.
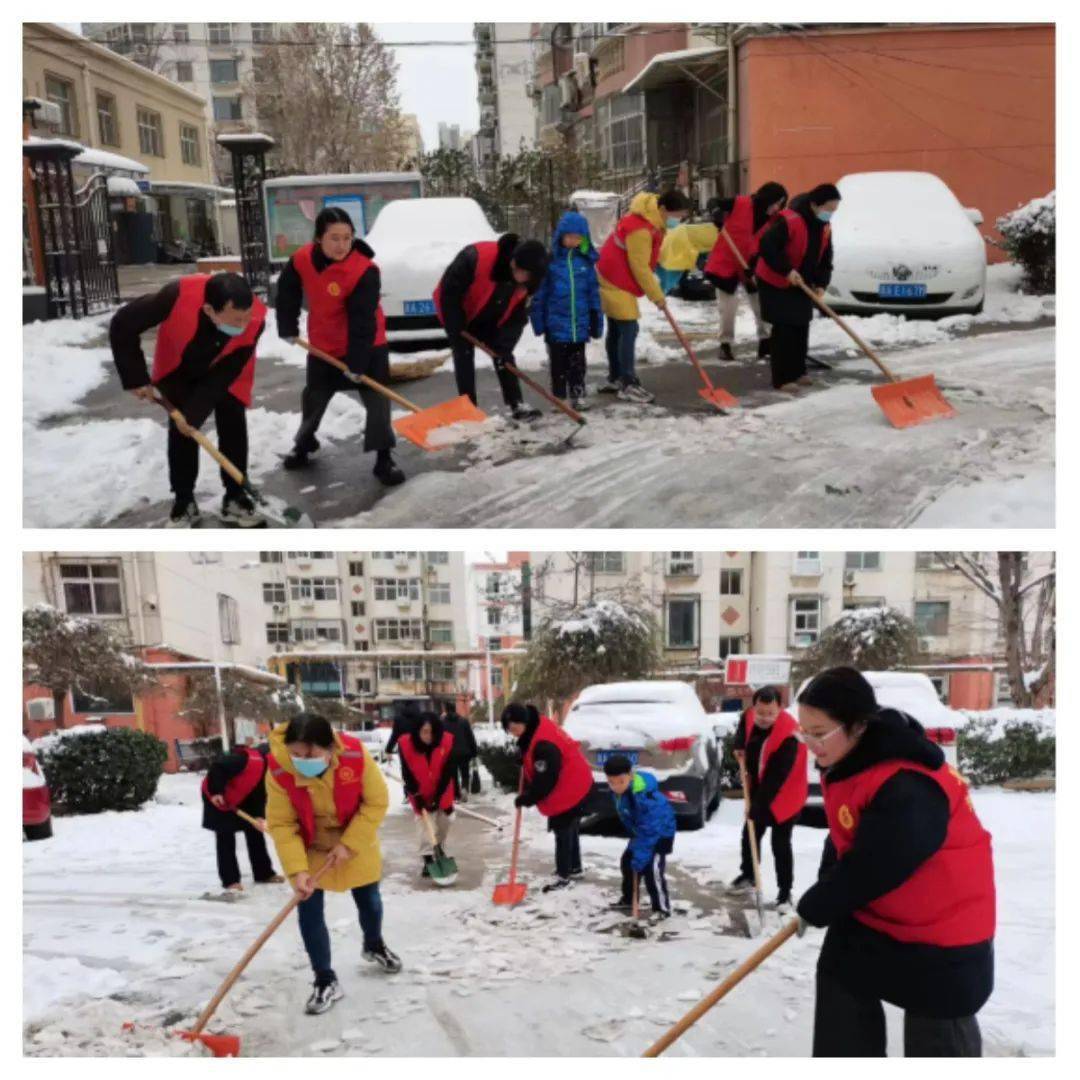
(325,802)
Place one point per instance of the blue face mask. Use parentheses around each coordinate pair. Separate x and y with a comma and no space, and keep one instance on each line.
(310,767)
(232,331)
(673,222)
(824,215)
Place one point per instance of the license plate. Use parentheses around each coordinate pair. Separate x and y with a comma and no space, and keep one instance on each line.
(602,756)
(901,292)
(419,307)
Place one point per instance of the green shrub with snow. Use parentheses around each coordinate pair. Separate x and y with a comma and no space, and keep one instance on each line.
(869,639)
(1029,236)
(1016,745)
(503,761)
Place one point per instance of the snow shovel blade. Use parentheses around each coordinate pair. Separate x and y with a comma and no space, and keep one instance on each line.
(218,1045)
(908,402)
(510,893)
(278,512)
(634,929)
(417,426)
(718,396)
(443,869)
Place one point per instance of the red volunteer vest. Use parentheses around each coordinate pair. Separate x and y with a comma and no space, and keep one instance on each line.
(791,797)
(950,899)
(327,292)
(480,291)
(175,334)
(739,225)
(348,787)
(614,266)
(428,771)
(240,787)
(797,241)
(575,777)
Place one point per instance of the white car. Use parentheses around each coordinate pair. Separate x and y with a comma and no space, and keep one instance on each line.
(414,241)
(903,243)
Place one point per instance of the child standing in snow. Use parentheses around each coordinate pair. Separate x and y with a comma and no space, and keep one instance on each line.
(428,769)
(566,309)
(649,819)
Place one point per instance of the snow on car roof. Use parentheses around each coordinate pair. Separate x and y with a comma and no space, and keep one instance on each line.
(911,692)
(415,219)
(885,196)
(630,713)
(668,691)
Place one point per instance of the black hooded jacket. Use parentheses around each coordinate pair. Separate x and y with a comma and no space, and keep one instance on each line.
(792,306)
(405,720)
(902,826)
(223,769)
(465,748)
(446,777)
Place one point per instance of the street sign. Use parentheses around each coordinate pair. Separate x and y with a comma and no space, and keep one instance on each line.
(759,670)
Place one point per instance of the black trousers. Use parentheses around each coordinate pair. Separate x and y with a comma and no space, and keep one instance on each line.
(849,1025)
(464,773)
(567,829)
(567,359)
(230,419)
(323,382)
(262,869)
(655,880)
(465,376)
(781,849)
(787,354)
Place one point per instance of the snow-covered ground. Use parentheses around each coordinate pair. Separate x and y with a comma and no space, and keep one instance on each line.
(113,933)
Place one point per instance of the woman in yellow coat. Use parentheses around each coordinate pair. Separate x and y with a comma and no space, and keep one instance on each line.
(325,802)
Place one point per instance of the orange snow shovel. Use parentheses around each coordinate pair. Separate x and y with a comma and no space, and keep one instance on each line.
(415,428)
(229,1045)
(513,891)
(715,395)
(905,402)
(753,961)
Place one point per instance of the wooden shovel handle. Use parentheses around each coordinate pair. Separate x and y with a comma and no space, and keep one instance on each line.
(176,415)
(751,831)
(257,822)
(248,956)
(847,330)
(517,833)
(378,387)
(430,828)
(684,342)
(733,980)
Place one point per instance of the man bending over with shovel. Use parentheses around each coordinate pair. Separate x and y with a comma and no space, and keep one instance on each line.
(204,362)
(485,292)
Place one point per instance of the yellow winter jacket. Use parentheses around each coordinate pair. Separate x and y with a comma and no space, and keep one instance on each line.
(683,246)
(360,836)
(618,303)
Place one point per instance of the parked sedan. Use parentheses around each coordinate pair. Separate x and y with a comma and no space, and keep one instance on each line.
(662,728)
(37,806)
(903,243)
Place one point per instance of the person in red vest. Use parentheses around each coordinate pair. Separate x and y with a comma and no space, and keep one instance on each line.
(775,763)
(236,781)
(906,886)
(744,218)
(558,782)
(428,769)
(796,249)
(336,275)
(325,801)
(486,291)
(627,269)
(204,362)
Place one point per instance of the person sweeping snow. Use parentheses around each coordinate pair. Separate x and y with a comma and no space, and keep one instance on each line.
(566,309)
(337,276)
(906,886)
(648,817)
(744,218)
(557,781)
(427,772)
(204,362)
(485,292)
(775,763)
(326,799)
(236,781)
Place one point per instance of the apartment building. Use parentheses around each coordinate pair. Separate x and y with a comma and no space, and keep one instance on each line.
(499,619)
(504,69)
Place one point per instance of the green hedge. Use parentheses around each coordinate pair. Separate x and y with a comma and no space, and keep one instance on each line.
(116,769)
(1029,235)
(1020,750)
(503,762)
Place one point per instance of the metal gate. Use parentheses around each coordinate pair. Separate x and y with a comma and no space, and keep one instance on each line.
(97,255)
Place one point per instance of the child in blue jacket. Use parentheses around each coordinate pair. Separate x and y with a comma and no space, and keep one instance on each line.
(566,308)
(649,819)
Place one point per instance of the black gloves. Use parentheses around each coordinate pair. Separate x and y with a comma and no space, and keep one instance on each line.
(520,802)
(501,360)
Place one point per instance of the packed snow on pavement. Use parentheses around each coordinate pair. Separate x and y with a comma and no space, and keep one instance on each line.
(114,933)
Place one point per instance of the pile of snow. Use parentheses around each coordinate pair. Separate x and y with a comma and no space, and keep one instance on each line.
(49,981)
(59,368)
(998,719)
(1025,499)
(53,739)
(1037,216)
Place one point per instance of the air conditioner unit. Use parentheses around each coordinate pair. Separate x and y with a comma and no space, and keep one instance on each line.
(308,605)
(404,604)
(41,709)
(849,577)
(279,609)
(569,95)
(926,644)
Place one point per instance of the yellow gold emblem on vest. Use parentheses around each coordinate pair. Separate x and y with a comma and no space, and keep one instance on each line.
(334,289)
(845,817)
(346,774)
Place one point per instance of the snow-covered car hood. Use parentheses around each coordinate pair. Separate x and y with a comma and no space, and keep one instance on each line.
(910,692)
(636,714)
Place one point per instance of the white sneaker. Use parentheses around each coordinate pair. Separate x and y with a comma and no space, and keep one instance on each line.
(240,512)
(185,515)
(580,404)
(609,387)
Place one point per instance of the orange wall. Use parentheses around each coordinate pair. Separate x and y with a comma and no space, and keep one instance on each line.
(973,105)
(638,50)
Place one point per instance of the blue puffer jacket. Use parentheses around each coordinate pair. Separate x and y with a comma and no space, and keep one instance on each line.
(648,817)
(566,307)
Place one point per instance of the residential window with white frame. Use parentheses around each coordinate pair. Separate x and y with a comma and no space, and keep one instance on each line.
(185,71)
(181,35)
(151,140)
(401,670)
(805,620)
(399,629)
(356,569)
(223,71)
(439,592)
(262,33)
(363,685)
(61,93)
(496,677)
(108,126)
(730,645)
(316,630)
(731,582)
(397,588)
(277,633)
(683,619)
(438,558)
(494,616)
(229,619)
(932,618)
(274,592)
(189,144)
(358,608)
(270,556)
(806,564)
(360,645)
(682,564)
(228,108)
(441,633)
(862,560)
(220,33)
(91,588)
(606,562)
(441,670)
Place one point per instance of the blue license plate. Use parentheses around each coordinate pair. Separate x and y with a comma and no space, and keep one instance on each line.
(901,292)
(419,307)
(603,755)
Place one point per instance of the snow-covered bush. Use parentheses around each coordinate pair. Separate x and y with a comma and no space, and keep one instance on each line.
(990,751)
(111,769)
(503,761)
(869,639)
(1029,235)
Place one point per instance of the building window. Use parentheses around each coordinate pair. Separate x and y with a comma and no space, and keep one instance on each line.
(731,583)
(805,620)
(806,564)
(229,619)
(859,603)
(62,93)
(91,588)
(401,670)
(439,593)
(399,630)
(682,564)
(320,588)
(438,558)
(606,562)
(185,71)
(363,686)
(496,678)
(262,33)
(316,630)
(621,121)
(273,592)
(932,618)
(441,670)
(277,633)
(441,633)
(359,646)
(228,108)
(862,560)
(223,71)
(682,622)
(89,702)
(494,616)
(358,608)
(397,588)
(108,129)
(220,33)
(181,35)
(729,646)
(270,557)
(300,556)
(150,139)
(928,560)
(356,569)
(189,144)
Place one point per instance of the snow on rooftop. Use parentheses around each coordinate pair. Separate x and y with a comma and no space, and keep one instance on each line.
(343,178)
(245,136)
(122,186)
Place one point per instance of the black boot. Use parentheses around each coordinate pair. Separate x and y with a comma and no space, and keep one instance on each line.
(525,412)
(725,352)
(426,871)
(386,469)
(764,348)
(296,459)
